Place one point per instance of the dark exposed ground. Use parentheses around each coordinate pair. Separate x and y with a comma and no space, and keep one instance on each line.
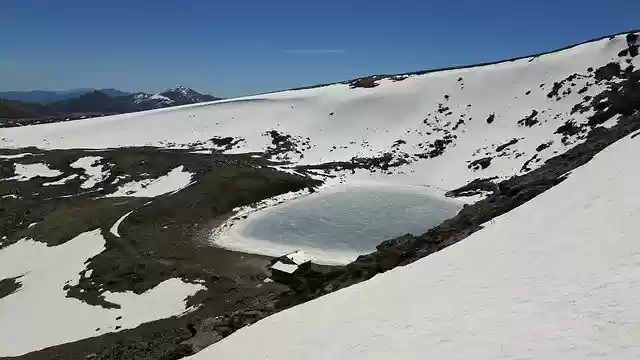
(9,286)
(164,239)
(7,122)
(236,296)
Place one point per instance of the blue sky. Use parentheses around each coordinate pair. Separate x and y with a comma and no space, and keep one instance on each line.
(236,47)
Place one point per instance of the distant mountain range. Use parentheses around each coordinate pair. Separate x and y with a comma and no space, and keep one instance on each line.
(34,107)
(44,97)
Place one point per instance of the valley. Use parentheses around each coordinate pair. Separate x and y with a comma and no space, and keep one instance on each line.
(365,176)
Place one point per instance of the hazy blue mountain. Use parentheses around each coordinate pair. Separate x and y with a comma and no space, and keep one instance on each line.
(44,96)
(81,103)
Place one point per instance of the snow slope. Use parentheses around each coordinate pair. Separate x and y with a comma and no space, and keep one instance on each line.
(557,278)
(40,315)
(174,180)
(406,118)
(25,172)
(94,173)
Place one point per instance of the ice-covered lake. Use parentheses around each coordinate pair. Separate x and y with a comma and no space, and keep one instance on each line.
(337,225)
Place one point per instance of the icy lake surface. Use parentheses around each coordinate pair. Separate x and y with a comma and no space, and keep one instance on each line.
(338,225)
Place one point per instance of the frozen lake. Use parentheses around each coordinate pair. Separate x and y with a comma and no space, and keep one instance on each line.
(337,225)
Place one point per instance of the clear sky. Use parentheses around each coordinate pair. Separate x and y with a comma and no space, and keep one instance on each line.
(245,46)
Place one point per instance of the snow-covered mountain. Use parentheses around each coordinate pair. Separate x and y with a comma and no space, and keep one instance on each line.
(532,274)
(85,103)
(178,95)
(153,100)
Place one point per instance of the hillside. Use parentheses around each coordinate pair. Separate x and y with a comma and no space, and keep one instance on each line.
(150,212)
(88,103)
(46,97)
(535,282)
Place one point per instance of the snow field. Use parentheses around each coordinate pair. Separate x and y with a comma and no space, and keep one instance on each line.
(174,180)
(557,277)
(367,122)
(40,315)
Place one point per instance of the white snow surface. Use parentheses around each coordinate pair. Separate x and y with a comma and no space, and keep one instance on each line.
(61,181)
(39,315)
(16,156)
(156,98)
(25,172)
(95,173)
(299,257)
(116,225)
(173,181)
(556,278)
(367,122)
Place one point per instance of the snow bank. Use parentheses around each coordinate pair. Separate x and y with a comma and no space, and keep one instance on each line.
(95,173)
(39,315)
(175,180)
(15,156)
(557,278)
(61,181)
(25,172)
(114,228)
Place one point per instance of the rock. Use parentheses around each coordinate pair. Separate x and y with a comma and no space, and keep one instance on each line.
(203,339)
(480,163)
(506,145)
(544,146)
(365,82)
(180,351)
(491,118)
(330,288)
(401,241)
(477,186)
(530,120)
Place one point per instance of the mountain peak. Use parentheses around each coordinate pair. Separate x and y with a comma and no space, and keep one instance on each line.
(180,89)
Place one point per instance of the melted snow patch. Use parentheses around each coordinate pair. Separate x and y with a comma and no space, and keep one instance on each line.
(15,156)
(175,180)
(39,315)
(95,172)
(114,228)
(25,172)
(61,181)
